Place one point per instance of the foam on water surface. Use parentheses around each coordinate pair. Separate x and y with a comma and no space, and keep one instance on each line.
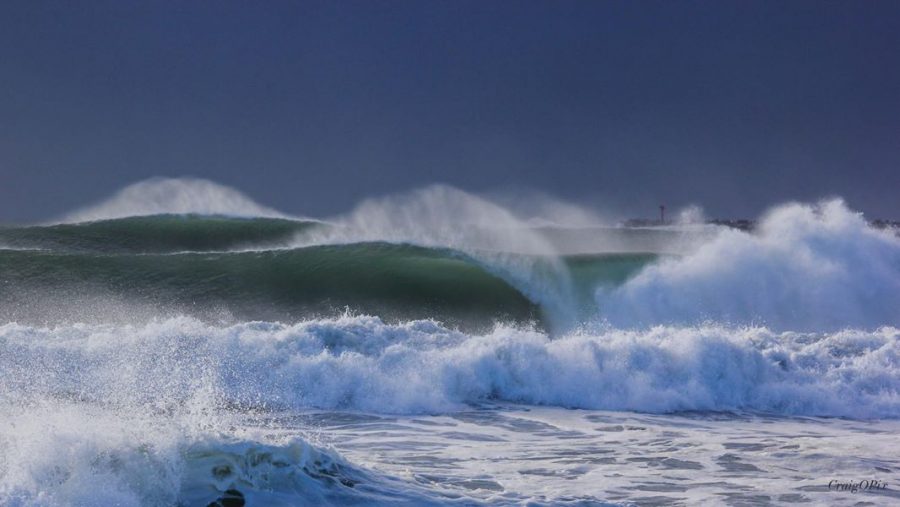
(363,363)
(179,411)
(190,359)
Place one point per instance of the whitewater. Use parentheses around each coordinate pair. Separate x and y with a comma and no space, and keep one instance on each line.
(181,344)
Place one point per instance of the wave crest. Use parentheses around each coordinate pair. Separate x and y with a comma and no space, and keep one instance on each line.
(818,267)
(159,196)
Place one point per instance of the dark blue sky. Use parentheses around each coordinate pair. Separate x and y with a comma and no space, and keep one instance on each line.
(309,106)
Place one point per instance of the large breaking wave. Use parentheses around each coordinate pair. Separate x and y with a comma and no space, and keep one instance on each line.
(807,267)
(138,337)
(363,363)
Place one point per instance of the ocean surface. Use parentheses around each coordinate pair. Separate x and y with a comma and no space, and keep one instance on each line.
(179,344)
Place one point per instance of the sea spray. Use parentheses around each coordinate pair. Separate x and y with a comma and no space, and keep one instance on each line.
(445,217)
(173,196)
(147,416)
(200,352)
(363,363)
(807,267)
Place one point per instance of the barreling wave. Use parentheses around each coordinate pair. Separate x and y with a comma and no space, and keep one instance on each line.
(140,343)
(394,281)
(819,267)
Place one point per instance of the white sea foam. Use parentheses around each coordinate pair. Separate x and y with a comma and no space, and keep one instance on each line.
(363,363)
(154,414)
(798,318)
(147,422)
(808,267)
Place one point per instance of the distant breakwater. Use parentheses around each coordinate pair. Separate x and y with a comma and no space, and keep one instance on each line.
(742,223)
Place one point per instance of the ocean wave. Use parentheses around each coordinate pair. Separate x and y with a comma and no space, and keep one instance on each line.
(363,363)
(182,412)
(807,267)
(165,347)
(57,453)
(394,281)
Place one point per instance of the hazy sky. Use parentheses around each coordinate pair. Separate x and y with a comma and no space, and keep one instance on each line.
(310,106)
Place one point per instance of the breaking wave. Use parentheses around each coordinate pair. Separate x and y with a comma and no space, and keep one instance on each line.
(807,267)
(363,363)
(150,344)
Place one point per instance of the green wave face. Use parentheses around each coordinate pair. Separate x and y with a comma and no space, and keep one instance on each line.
(590,272)
(156,234)
(182,264)
(394,281)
